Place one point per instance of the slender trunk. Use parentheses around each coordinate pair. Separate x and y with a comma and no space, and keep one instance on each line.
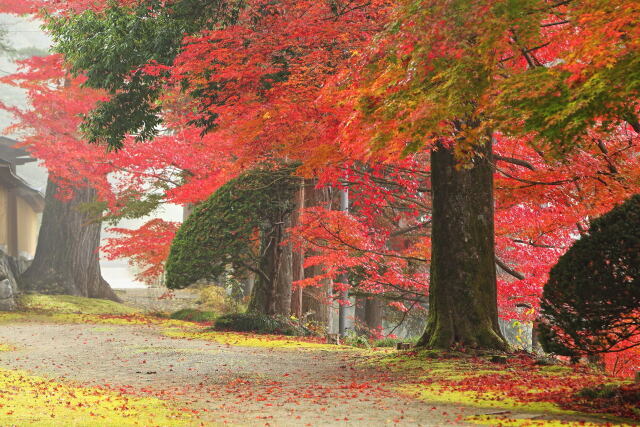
(67,258)
(284,275)
(297,257)
(463,308)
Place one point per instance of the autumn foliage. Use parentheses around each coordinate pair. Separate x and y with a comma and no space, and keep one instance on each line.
(359,92)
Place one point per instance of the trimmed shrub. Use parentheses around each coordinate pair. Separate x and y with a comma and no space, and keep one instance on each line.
(193,315)
(225,230)
(591,303)
(260,324)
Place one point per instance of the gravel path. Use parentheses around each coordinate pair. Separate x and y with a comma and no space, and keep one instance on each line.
(238,385)
(227,384)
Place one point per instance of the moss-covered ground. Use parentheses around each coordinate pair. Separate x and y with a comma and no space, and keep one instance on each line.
(521,385)
(72,309)
(161,363)
(36,401)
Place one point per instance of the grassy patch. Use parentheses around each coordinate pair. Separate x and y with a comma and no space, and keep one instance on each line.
(254,340)
(518,385)
(505,421)
(193,315)
(37,401)
(72,304)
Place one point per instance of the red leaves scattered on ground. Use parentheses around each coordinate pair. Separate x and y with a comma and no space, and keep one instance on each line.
(525,381)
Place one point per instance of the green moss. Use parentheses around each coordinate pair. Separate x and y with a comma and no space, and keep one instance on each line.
(391,342)
(494,420)
(36,401)
(556,370)
(193,315)
(485,400)
(72,304)
(253,340)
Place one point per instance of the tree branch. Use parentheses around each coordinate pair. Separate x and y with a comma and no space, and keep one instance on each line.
(509,270)
(515,161)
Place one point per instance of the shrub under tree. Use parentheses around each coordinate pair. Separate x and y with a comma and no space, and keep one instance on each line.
(591,303)
(242,225)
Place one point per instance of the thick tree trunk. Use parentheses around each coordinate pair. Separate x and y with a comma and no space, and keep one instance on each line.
(67,259)
(272,292)
(462,292)
(315,300)
(373,311)
(316,304)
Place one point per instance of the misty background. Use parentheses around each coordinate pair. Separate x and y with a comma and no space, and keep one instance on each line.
(26,39)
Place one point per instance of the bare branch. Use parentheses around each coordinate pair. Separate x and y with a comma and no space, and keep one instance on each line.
(509,270)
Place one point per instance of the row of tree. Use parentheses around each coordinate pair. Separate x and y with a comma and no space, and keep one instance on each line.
(469,134)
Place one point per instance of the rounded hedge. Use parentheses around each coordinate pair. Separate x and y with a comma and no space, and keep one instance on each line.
(591,302)
(224,230)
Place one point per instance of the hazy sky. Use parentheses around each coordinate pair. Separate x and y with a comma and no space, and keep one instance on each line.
(26,38)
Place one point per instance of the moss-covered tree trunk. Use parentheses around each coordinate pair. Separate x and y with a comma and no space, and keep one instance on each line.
(462,294)
(67,259)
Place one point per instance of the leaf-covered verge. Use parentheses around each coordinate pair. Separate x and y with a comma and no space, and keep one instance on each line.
(69,309)
(72,304)
(515,389)
(37,401)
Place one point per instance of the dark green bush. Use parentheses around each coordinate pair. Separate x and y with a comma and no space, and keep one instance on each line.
(590,303)
(224,230)
(260,324)
(193,315)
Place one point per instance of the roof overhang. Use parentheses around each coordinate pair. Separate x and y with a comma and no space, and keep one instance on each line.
(10,180)
(13,154)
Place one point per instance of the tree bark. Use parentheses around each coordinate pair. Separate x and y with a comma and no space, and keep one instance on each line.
(67,260)
(284,273)
(297,261)
(463,308)
(272,292)
(373,311)
(315,300)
